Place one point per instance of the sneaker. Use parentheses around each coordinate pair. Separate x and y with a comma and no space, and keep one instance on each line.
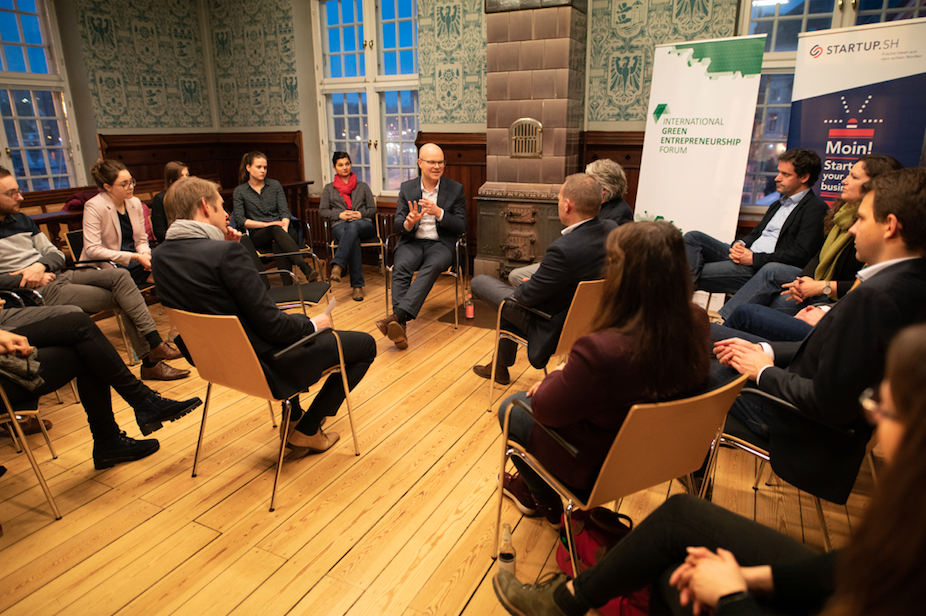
(121,449)
(514,488)
(527,599)
(155,410)
(551,507)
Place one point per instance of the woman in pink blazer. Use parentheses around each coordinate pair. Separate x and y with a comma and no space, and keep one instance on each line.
(114,222)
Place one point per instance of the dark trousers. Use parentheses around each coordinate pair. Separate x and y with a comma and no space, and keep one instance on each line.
(515,319)
(657,545)
(349,234)
(276,239)
(305,365)
(429,258)
(711,267)
(768,323)
(72,346)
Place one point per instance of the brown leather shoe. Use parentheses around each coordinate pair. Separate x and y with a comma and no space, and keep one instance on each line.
(162,372)
(31,425)
(383,324)
(336,272)
(396,332)
(303,444)
(501,373)
(165,351)
(357,294)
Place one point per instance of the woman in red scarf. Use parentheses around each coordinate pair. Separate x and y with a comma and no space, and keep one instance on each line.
(349,204)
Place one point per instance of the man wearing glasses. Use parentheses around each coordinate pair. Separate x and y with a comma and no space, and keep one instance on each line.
(430,216)
(28,260)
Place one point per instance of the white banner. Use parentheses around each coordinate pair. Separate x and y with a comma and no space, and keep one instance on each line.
(702,107)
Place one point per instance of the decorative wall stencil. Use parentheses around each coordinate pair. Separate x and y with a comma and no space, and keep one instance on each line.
(623,35)
(452,61)
(449,84)
(144,62)
(255,62)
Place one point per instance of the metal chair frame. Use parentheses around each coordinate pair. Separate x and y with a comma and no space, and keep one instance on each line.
(331,245)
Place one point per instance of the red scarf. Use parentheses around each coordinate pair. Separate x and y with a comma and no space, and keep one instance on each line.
(345,188)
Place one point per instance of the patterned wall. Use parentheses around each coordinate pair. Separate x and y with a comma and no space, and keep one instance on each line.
(144,63)
(624,34)
(452,61)
(255,62)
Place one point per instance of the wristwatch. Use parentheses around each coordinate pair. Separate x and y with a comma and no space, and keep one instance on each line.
(733,597)
(827,289)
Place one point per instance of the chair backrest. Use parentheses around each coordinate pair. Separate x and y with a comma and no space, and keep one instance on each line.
(662,441)
(582,310)
(222,352)
(75,240)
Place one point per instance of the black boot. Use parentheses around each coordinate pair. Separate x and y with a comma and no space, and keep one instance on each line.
(110,452)
(155,410)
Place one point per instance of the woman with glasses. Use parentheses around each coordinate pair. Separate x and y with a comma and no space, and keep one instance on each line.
(260,210)
(722,563)
(114,222)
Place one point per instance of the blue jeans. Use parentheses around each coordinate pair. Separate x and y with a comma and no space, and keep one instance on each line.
(711,267)
(768,323)
(765,289)
(519,431)
(349,234)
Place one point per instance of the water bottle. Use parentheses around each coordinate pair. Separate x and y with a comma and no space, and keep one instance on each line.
(506,553)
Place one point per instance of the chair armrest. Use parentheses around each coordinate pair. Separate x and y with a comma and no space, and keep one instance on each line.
(302,342)
(539,313)
(18,295)
(571,449)
(787,405)
(88,263)
(9,296)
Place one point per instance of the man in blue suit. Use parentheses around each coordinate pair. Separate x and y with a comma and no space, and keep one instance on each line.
(430,216)
(576,256)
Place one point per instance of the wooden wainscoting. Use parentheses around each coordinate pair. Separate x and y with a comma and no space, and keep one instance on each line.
(207,153)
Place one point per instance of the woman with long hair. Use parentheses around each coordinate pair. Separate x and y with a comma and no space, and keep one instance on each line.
(348,203)
(260,209)
(649,343)
(718,559)
(173,171)
(828,276)
(114,222)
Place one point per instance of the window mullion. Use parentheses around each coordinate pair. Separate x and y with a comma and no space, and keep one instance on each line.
(374,115)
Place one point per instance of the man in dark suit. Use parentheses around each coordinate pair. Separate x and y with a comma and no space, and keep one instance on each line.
(430,216)
(844,354)
(576,256)
(198,270)
(791,231)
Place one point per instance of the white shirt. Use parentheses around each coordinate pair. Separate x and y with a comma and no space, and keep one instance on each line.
(572,228)
(769,238)
(427,226)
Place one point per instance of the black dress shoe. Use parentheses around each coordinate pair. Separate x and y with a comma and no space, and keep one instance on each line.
(165,351)
(162,372)
(122,448)
(155,410)
(501,373)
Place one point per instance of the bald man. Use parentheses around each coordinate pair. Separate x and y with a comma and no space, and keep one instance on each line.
(430,216)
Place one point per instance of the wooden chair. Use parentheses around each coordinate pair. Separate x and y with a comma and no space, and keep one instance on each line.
(331,245)
(459,270)
(656,443)
(223,355)
(579,321)
(735,434)
(17,430)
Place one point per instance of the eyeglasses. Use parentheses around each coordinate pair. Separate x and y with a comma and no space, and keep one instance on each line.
(127,184)
(870,399)
(12,193)
(434,163)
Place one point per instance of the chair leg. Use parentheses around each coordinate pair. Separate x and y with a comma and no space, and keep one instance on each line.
(350,413)
(711,463)
(506,451)
(273,417)
(74,390)
(874,468)
(759,474)
(129,350)
(570,539)
(15,427)
(202,429)
(51,449)
(287,415)
(58,395)
(826,534)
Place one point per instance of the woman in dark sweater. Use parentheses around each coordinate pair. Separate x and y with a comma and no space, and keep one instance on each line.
(723,563)
(649,344)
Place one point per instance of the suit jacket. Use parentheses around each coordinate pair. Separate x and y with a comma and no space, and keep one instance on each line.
(801,236)
(450,198)
(568,260)
(824,374)
(103,233)
(217,277)
(617,210)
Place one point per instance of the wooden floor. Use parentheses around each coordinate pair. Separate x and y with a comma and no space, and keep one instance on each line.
(406,528)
